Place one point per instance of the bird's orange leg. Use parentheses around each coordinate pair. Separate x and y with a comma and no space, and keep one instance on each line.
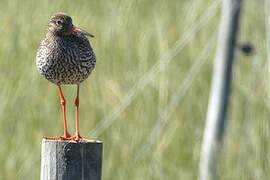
(63,103)
(77,135)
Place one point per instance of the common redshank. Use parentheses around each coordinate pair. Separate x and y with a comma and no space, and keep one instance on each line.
(65,56)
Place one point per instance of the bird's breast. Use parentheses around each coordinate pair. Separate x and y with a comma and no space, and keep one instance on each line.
(65,62)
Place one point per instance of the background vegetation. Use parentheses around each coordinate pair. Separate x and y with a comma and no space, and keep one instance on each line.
(131,36)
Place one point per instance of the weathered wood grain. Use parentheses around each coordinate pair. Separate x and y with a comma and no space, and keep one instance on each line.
(71,160)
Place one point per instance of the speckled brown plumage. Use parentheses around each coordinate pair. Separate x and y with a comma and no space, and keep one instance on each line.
(64,57)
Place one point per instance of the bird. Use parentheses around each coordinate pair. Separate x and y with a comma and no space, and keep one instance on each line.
(65,57)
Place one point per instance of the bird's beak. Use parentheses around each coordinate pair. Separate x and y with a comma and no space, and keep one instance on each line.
(78,30)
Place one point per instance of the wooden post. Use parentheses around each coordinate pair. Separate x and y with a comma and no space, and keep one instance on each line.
(220,91)
(70,160)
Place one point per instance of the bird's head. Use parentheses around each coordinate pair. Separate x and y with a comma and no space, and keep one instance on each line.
(60,24)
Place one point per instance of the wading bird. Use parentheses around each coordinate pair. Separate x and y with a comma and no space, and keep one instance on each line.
(65,56)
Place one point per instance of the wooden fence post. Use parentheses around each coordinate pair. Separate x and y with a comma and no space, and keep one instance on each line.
(220,91)
(71,160)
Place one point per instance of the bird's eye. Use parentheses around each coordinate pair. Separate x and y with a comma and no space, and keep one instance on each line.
(58,22)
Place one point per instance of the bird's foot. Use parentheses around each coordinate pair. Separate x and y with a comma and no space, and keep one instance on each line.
(66,136)
(77,137)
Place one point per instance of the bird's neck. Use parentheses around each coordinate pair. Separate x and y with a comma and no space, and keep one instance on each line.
(52,35)
(52,41)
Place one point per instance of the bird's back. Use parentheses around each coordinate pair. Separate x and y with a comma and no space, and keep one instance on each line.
(65,59)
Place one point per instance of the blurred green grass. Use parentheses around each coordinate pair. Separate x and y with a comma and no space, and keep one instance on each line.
(130,38)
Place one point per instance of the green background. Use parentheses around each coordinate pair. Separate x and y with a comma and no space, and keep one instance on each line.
(131,36)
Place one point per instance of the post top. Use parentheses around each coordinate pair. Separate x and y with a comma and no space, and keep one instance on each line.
(92,141)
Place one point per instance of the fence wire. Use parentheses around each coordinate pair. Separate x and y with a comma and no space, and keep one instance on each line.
(182,89)
(107,121)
